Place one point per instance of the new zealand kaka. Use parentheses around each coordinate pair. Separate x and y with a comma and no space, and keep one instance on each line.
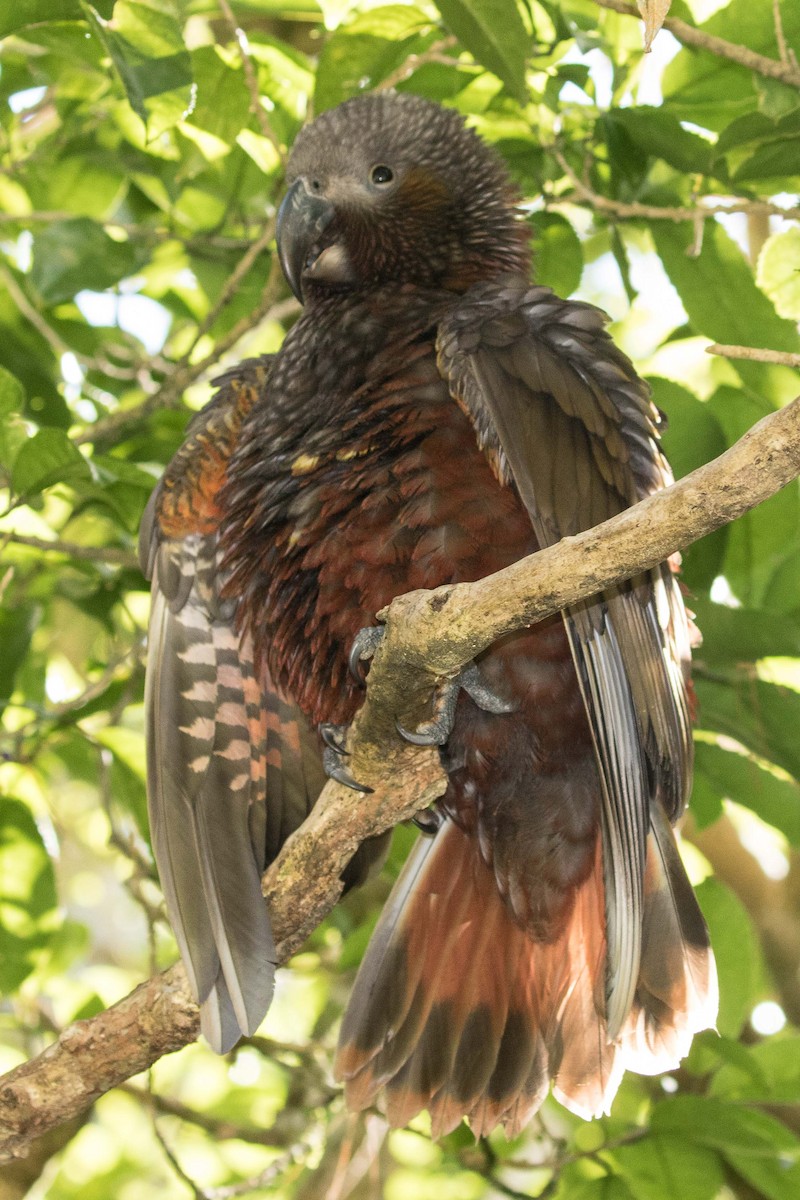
(431,417)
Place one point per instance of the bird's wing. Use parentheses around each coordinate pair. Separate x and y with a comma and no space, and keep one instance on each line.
(233,767)
(561,413)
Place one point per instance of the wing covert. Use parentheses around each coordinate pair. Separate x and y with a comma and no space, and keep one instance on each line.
(561,413)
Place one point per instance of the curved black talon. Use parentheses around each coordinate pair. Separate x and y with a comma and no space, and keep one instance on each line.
(365,643)
(333,736)
(335,769)
(429,821)
(436,731)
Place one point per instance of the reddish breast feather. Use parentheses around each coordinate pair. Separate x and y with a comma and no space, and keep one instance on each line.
(394,496)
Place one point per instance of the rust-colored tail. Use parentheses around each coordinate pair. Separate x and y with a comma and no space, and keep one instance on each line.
(456,1009)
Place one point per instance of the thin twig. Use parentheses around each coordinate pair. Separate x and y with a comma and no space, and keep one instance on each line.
(655,212)
(220,1128)
(113,555)
(231,285)
(142,232)
(292,1158)
(169,393)
(755,354)
(53,339)
(786,54)
(690,35)
(169,1153)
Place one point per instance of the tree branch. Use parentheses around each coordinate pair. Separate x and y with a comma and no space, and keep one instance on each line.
(114,555)
(428,634)
(689,35)
(781,358)
(108,429)
(634,210)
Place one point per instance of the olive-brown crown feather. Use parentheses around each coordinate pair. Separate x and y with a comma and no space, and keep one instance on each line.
(416,196)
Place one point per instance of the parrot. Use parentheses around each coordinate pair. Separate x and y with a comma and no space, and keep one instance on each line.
(432,416)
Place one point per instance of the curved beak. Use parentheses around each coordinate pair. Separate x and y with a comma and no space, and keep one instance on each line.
(302,220)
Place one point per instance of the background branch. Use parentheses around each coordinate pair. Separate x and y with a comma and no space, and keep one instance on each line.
(689,35)
(428,634)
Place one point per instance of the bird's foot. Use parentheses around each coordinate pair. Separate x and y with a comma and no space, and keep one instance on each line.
(365,643)
(437,730)
(334,738)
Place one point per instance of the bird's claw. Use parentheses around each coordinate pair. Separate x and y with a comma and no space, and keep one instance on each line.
(333,736)
(437,730)
(334,768)
(365,643)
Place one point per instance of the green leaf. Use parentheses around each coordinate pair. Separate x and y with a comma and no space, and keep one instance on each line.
(693,436)
(27,894)
(668,1165)
(16,630)
(223,102)
(728,775)
(658,134)
(127,745)
(16,16)
(779,272)
(12,393)
(762,1150)
(48,457)
(737,951)
(762,716)
(763,538)
(717,289)
(782,592)
(709,89)
(732,635)
(145,43)
(773,1074)
(367,49)
(776,161)
(76,255)
(557,254)
(493,32)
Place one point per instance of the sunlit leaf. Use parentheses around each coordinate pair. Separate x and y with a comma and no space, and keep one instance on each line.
(27,894)
(21,13)
(779,272)
(75,255)
(145,43)
(737,953)
(722,774)
(48,457)
(763,716)
(760,1148)
(557,254)
(493,32)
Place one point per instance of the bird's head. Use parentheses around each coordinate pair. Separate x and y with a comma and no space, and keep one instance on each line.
(389,187)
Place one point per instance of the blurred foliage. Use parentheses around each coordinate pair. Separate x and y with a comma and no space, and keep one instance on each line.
(140,165)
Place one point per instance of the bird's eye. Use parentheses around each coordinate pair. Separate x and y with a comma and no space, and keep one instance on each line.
(381,174)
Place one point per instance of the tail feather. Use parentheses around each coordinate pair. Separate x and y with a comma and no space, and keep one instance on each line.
(677,994)
(458,1010)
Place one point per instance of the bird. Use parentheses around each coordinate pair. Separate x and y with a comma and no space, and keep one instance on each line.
(432,416)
